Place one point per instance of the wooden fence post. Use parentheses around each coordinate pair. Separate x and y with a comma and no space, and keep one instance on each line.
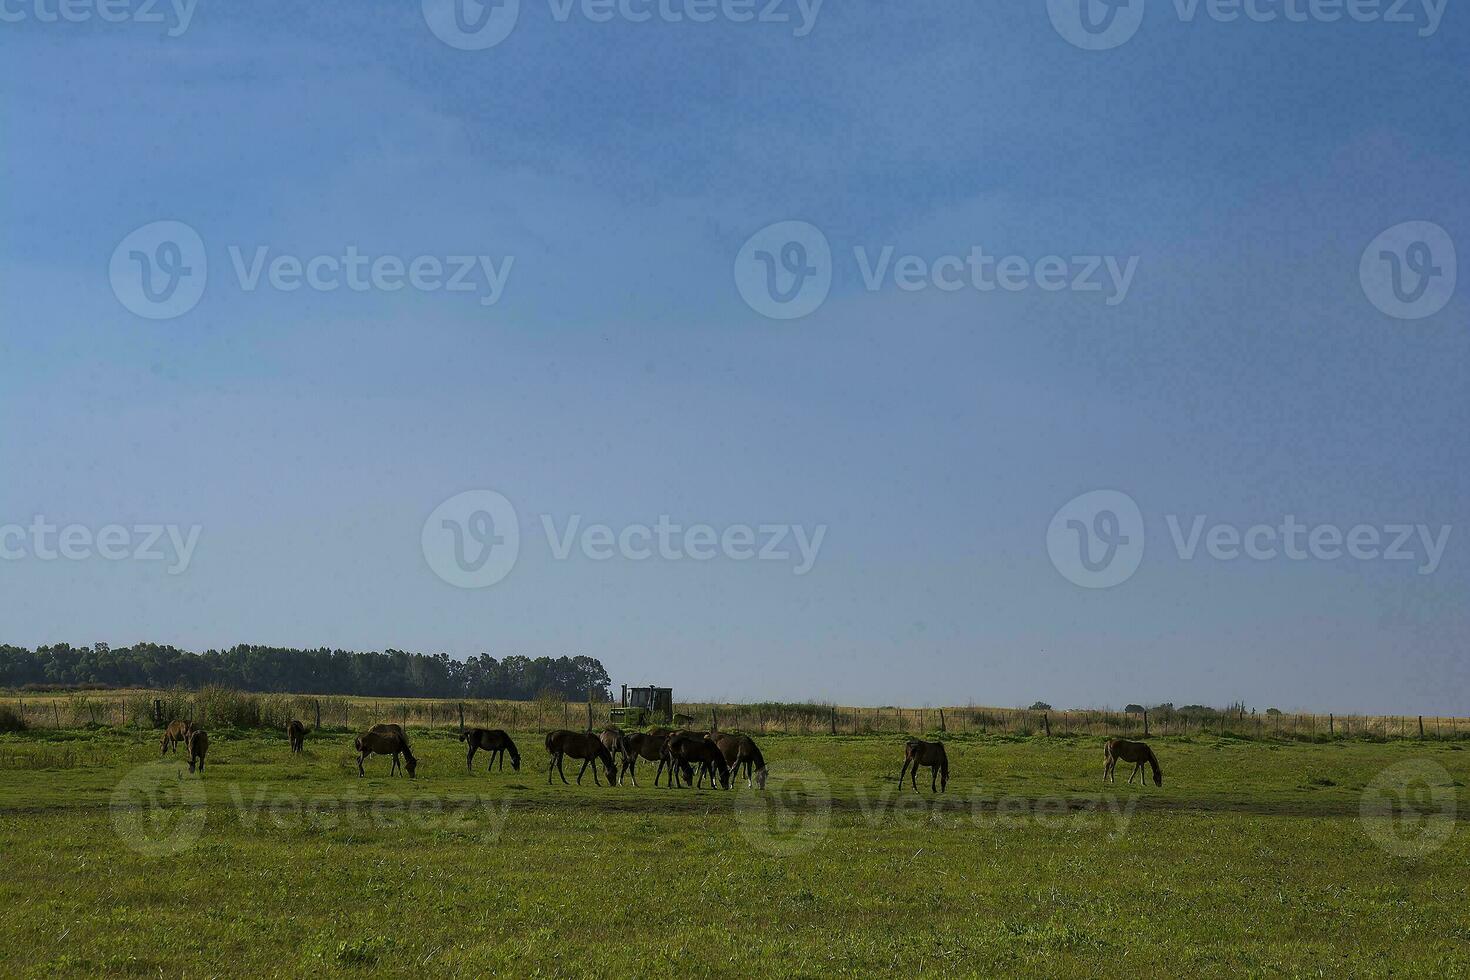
(589,716)
(1421,726)
(1331,725)
(461,716)
(317,704)
(1046,724)
(1145,723)
(941,721)
(834,719)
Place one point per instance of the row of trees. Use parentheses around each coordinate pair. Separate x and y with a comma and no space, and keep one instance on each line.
(392,673)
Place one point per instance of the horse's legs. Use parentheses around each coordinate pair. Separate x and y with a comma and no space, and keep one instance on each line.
(595,777)
(500,754)
(933,778)
(560,771)
(360,773)
(469,757)
(584,769)
(550,766)
(903,772)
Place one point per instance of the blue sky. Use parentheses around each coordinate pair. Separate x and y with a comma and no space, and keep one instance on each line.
(620,376)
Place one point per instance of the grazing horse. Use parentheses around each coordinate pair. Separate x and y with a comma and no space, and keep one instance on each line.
(741,751)
(176,732)
(492,740)
(198,745)
(612,736)
(916,753)
(385,740)
(579,745)
(1135,752)
(688,749)
(296,732)
(650,746)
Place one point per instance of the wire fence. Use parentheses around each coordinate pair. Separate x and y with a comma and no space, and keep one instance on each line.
(224,707)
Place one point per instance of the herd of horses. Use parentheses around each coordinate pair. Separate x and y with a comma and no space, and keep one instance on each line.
(685,756)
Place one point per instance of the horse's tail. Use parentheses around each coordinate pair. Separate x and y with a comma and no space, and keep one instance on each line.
(1153,760)
(548,741)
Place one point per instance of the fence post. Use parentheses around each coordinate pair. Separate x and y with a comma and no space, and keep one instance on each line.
(461,716)
(1046,724)
(1145,723)
(589,716)
(1421,726)
(941,721)
(834,719)
(317,703)
(1331,725)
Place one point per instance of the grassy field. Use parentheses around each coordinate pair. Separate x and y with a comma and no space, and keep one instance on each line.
(1255,857)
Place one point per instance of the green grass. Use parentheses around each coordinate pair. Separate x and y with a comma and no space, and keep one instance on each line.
(1252,858)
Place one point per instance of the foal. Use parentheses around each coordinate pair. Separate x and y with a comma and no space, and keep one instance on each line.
(492,740)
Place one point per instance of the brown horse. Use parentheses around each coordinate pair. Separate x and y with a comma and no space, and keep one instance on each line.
(918,753)
(579,745)
(176,732)
(689,749)
(741,751)
(385,740)
(651,746)
(198,745)
(492,740)
(612,736)
(296,732)
(1137,753)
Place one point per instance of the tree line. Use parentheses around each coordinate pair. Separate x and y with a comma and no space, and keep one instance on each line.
(391,673)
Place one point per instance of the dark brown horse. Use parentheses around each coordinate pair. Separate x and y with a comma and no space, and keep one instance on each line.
(1137,753)
(650,746)
(916,753)
(579,745)
(198,746)
(689,749)
(385,740)
(296,732)
(176,732)
(740,751)
(492,740)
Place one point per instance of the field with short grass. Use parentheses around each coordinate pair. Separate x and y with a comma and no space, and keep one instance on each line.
(1255,857)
